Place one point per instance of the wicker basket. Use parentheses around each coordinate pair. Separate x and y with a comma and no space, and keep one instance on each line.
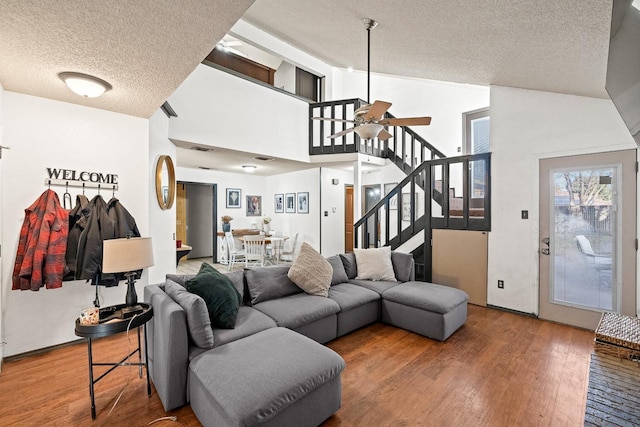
(618,335)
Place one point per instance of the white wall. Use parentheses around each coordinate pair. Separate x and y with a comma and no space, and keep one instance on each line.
(162,223)
(44,133)
(525,127)
(247,32)
(285,77)
(2,285)
(254,185)
(443,102)
(332,225)
(308,225)
(218,109)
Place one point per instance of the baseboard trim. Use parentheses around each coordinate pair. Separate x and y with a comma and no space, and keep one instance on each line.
(19,356)
(508,310)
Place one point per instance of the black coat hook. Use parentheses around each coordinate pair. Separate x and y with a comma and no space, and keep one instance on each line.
(83,188)
(114,191)
(98,189)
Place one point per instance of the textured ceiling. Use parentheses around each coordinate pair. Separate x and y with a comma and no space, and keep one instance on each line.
(550,45)
(144,48)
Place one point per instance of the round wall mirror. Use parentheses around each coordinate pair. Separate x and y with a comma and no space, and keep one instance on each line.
(165,182)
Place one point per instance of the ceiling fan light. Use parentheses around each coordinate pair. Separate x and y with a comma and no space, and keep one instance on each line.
(84,84)
(368,130)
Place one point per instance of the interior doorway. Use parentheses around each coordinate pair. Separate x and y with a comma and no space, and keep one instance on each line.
(587,237)
(196,218)
(348,218)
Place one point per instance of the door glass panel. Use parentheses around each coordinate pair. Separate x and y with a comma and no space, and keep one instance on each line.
(583,238)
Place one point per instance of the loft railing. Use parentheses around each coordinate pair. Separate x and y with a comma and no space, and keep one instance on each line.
(406,149)
(447,192)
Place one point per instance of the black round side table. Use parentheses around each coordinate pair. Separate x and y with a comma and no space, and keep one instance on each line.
(116,319)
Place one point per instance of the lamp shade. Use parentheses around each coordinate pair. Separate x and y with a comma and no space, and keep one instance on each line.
(126,255)
(368,130)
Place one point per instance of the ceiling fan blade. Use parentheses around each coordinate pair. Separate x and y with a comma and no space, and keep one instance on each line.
(344,132)
(408,121)
(384,135)
(330,119)
(377,110)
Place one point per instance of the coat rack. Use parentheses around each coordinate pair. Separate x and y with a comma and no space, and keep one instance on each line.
(83,184)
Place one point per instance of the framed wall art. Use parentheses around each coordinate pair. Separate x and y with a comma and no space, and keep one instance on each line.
(393,202)
(290,203)
(406,205)
(254,205)
(303,203)
(278,203)
(234,195)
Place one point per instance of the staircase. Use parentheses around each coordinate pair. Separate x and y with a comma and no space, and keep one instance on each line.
(399,219)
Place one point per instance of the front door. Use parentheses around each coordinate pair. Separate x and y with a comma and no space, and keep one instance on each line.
(587,237)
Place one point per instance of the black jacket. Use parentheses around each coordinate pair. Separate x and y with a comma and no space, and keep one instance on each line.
(78,217)
(105,221)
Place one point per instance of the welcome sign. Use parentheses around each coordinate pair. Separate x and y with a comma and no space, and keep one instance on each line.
(84,178)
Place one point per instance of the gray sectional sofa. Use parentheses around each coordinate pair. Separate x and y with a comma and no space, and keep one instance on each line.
(271,369)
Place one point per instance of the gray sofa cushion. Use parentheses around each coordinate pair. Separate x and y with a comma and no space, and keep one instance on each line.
(403,266)
(339,275)
(255,380)
(379,286)
(196,311)
(349,296)
(267,283)
(426,296)
(297,310)
(249,322)
(349,263)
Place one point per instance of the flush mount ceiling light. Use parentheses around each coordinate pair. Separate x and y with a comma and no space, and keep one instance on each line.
(84,84)
(249,168)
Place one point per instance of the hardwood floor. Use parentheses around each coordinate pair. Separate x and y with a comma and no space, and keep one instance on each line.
(499,369)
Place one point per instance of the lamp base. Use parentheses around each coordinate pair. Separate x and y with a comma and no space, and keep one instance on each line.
(132,297)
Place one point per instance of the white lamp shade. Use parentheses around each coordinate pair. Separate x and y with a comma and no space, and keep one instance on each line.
(126,255)
(368,130)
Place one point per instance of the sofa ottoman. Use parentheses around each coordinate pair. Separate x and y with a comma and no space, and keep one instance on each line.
(273,378)
(434,311)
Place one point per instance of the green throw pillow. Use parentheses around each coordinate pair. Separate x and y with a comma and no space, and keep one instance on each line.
(217,291)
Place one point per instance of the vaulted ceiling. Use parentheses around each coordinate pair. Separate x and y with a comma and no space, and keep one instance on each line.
(146,48)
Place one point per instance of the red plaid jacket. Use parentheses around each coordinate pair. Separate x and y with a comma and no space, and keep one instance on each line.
(40,259)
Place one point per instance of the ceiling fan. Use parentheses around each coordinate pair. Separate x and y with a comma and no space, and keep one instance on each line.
(369,119)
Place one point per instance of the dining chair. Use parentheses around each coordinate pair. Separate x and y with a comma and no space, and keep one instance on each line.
(289,253)
(275,252)
(254,250)
(233,253)
(223,252)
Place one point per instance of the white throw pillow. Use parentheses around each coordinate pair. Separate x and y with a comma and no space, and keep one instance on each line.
(311,272)
(375,264)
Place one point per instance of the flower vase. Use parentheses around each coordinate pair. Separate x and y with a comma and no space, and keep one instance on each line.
(226,226)
(266,228)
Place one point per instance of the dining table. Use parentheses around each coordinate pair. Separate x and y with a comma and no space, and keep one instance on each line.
(268,239)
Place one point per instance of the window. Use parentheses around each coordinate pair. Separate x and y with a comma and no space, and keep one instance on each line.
(476,134)
(307,85)
(476,141)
